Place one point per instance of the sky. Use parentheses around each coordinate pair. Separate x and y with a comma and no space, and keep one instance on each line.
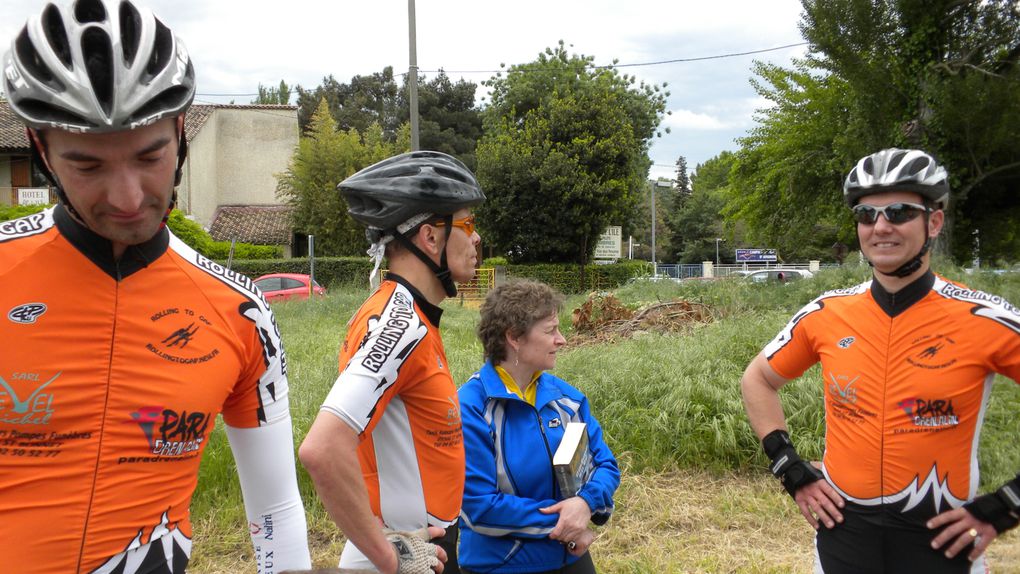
(237,44)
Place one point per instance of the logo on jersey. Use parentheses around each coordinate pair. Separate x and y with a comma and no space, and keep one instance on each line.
(555,423)
(26,224)
(26,314)
(930,413)
(32,406)
(845,342)
(932,352)
(175,346)
(390,332)
(170,434)
(842,388)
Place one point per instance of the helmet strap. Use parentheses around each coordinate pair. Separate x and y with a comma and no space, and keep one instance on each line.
(35,142)
(915,263)
(442,269)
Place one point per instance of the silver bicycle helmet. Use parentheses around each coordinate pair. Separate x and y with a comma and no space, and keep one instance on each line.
(97,66)
(898,170)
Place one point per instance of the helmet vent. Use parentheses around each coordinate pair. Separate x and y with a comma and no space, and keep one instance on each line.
(99,65)
(917,166)
(130,24)
(56,36)
(162,47)
(32,62)
(895,160)
(37,109)
(86,11)
(167,99)
(869,166)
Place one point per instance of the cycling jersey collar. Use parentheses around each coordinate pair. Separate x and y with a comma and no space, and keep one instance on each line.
(432,312)
(895,303)
(99,250)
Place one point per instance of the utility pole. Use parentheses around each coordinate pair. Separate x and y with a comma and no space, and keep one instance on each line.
(412,76)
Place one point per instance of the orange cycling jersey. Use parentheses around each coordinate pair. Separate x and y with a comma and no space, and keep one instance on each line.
(396,391)
(907,379)
(111,376)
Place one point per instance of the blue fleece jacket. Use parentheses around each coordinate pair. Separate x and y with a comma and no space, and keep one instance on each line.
(509,446)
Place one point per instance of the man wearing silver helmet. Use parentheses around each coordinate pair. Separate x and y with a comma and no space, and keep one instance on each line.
(122,344)
(387,445)
(908,359)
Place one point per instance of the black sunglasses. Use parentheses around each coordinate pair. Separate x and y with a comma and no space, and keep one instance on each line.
(895,213)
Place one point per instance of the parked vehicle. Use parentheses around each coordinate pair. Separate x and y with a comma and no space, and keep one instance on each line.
(779,275)
(284,286)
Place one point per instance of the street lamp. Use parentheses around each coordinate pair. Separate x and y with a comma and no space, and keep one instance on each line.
(717,240)
(659,183)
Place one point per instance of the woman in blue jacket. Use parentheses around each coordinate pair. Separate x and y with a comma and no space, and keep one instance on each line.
(514,518)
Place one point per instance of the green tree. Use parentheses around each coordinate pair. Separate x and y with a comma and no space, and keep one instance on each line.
(366,100)
(696,221)
(448,119)
(941,75)
(324,157)
(681,189)
(273,96)
(564,154)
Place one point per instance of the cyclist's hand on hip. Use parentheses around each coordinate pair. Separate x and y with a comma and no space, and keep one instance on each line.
(959,529)
(820,504)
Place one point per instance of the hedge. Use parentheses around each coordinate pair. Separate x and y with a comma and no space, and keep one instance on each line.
(566,277)
(329,271)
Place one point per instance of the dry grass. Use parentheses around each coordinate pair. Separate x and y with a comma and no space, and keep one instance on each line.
(665,522)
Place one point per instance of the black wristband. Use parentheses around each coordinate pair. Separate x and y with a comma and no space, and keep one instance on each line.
(1001,508)
(786,464)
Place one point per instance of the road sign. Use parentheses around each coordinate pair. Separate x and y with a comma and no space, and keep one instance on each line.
(610,243)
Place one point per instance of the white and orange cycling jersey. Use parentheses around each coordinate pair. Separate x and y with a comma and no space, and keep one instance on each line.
(396,391)
(111,377)
(907,378)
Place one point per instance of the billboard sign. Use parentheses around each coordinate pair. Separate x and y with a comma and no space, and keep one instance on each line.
(610,243)
(757,256)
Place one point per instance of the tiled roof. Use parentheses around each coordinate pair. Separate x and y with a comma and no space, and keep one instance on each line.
(13,138)
(12,131)
(258,224)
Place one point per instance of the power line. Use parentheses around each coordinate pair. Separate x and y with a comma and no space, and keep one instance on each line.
(640,64)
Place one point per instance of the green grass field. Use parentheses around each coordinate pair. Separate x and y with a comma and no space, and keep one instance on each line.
(672,412)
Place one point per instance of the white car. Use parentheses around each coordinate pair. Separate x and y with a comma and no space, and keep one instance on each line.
(779,275)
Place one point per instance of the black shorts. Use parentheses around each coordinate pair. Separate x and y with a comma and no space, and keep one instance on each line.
(876,540)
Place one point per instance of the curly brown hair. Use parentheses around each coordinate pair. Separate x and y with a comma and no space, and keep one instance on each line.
(513,308)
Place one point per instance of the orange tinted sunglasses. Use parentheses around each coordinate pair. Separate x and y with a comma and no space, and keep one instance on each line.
(465,223)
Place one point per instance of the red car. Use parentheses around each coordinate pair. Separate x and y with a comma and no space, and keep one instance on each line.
(283,286)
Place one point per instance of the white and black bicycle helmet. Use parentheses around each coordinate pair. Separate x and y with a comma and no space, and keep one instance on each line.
(396,195)
(896,169)
(97,66)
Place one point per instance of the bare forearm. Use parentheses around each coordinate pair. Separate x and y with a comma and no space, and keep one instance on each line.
(760,389)
(330,455)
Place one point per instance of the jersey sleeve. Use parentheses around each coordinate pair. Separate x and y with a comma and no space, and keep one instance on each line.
(792,351)
(369,380)
(1005,336)
(260,396)
(276,517)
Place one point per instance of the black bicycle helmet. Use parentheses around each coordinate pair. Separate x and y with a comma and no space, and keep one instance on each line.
(388,193)
(97,66)
(898,170)
(420,184)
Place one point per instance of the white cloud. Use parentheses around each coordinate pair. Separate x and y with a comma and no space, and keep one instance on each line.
(690,120)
